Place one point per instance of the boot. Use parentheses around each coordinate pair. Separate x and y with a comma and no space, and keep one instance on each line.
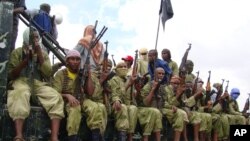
(72,138)
(96,135)
(122,136)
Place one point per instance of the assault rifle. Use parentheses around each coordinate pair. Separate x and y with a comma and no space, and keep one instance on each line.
(224,101)
(134,72)
(182,68)
(194,89)
(49,42)
(105,69)
(208,88)
(219,93)
(84,70)
(31,60)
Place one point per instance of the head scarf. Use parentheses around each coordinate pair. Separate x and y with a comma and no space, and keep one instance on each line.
(96,52)
(73,53)
(26,37)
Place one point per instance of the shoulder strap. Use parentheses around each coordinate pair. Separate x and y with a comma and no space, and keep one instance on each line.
(65,81)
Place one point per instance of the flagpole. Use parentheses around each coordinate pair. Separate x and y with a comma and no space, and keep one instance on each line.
(157,35)
(156,43)
(159,19)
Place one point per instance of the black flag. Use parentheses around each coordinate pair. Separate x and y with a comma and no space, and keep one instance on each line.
(166,11)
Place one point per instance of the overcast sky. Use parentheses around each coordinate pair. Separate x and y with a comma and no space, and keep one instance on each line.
(219,31)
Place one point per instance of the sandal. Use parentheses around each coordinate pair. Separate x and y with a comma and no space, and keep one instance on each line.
(18,139)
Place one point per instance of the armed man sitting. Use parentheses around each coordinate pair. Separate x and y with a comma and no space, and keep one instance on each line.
(29,66)
(80,99)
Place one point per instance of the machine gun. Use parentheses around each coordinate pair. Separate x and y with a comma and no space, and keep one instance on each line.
(84,70)
(49,42)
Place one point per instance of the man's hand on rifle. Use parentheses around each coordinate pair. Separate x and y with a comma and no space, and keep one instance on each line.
(72,100)
(174,109)
(155,85)
(104,76)
(180,91)
(224,96)
(199,93)
(132,80)
(209,105)
(117,105)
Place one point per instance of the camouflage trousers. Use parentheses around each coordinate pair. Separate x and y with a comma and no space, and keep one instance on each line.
(132,118)
(224,128)
(95,112)
(18,101)
(216,122)
(206,122)
(121,118)
(236,119)
(248,121)
(194,117)
(150,119)
(177,119)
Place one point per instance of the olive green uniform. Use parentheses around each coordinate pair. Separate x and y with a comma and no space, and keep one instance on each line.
(223,128)
(126,118)
(235,116)
(18,101)
(94,111)
(177,119)
(174,67)
(150,117)
(206,119)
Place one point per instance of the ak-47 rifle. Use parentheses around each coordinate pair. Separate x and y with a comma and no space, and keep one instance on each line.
(31,60)
(182,68)
(208,89)
(219,93)
(84,70)
(223,99)
(194,89)
(105,69)
(134,73)
(113,60)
